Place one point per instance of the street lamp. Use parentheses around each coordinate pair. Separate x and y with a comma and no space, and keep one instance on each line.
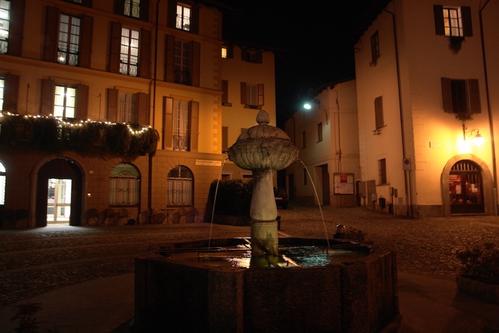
(307,106)
(474,135)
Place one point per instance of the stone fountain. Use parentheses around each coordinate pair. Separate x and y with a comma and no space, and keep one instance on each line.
(266,284)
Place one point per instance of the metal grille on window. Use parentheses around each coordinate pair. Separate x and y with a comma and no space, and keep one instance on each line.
(4,25)
(180,186)
(69,40)
(181,133)
(129,52)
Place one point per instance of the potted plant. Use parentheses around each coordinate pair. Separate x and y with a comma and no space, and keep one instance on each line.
(479,275)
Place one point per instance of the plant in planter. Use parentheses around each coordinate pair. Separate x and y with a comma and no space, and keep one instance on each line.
(479,274)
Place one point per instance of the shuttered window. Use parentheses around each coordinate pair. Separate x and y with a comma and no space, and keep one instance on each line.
(378,113)
(181,131)
(374,48)
(182,62)
(225,138)
(68,45)
(225,93)
(64,102)
(319,132)
(252,95)
(127,110)
(129,51)
(180,186)
(382,172)
(461,97)
(183,20)
(453,21)
(4,25)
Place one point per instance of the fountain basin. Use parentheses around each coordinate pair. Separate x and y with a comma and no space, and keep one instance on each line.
(195,288)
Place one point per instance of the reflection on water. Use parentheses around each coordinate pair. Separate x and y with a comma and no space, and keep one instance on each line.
(239,257)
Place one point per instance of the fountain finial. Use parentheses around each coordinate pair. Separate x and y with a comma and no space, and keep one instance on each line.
(262,118)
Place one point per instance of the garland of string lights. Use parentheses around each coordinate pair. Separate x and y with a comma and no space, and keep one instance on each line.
(143,141)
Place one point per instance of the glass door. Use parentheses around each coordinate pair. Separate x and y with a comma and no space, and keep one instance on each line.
(58,201)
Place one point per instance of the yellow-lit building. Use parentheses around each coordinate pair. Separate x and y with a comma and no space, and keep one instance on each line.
(427,80)
(248,85)
(144,63)
(326,134)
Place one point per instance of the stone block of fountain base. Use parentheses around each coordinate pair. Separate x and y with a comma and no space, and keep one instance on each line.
(352,295)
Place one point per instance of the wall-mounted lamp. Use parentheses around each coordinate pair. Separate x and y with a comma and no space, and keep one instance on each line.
(473,135)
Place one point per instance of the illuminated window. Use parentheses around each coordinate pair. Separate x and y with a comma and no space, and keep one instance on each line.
(132,8)
(64,102)
(4,25)
(69,40)
(3,178)
(124,185)
(127,108)
(182,59)
(2,87)
(374,48)
(453,22)
(183,17)
(129,52)
(382,172)
(181,132)
(180,186)
(224,52)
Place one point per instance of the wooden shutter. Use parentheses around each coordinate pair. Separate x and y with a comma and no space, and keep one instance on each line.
(145,54)
(143,109)
(167,142)
(144,10)
(86,41)
(169,59)
(467,26)
(474,96)
(194,125)
(261,90)
(225,92)
(119,7)
(244,97)
(225,138)
(11,93)
(47,98)
(16,27)
(438,13)
(447,95)
(51,33)
(114,52)
(81,102)
(195,64)
(172,13)
(112,104)
(194,19)
(378,112)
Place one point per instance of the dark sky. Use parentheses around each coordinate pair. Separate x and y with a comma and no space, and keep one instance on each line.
(312,40)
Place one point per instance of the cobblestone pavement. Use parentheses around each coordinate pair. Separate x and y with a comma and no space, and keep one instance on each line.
(35,261)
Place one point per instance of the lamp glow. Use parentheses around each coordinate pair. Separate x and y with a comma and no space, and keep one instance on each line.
(307,106)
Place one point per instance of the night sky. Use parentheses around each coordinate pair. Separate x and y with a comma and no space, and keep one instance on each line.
(312,41)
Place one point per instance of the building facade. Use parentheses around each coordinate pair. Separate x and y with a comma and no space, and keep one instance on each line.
(326,135)
(428,104)
(143,63)
(248,85)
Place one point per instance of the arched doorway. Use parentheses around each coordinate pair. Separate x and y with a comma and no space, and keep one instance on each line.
(465,184)
(58,195)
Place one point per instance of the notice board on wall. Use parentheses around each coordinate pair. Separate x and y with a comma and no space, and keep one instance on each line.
(343,183)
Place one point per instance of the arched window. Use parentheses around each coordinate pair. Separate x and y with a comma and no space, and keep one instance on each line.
(3,178)
(125,185)
(180,186)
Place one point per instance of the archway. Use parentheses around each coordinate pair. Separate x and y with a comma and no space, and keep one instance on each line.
(467,186)
(58,195)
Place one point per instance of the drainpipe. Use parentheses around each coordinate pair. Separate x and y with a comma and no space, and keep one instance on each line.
(152,115)
(489,108)
(407,171)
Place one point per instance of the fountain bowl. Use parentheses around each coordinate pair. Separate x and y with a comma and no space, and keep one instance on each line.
(191,286)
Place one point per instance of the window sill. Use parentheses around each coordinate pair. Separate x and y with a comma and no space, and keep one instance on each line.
(226,104)
(254,107)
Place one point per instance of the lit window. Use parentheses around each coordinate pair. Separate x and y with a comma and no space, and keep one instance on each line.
(129,53)
(181,132)
(4,25)
(180,186)
(453,23)
(182,59)
(64,102)
(69,40)
(3,178)
(124,185)
(132,8)
(183,17)
(2,87)
(224,52)
(127,108)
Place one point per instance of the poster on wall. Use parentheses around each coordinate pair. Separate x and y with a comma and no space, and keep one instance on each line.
(343,183)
